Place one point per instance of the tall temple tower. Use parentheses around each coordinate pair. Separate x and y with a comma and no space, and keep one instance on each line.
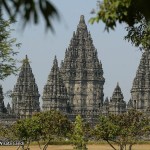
(6,116)
(55,93)
(140,92)
(117,105)
(105,109)
(2,106)
(25,96)
(82,72)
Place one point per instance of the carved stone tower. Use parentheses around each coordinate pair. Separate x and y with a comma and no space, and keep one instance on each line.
(8,108)
(140,92)
(117,104)
(105,110)
(25,96)
(2,106)
(55,93)
(82,72)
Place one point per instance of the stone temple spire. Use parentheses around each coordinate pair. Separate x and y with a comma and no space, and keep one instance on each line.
(117,104)
(82,72)
(2,106)
(105,110)
(81,26)
(130,105)
(117,94)
(25,96)
(140,92)
(55,93)
(8,108)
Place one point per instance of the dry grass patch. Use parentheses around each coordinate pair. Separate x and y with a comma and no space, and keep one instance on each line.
(70,147)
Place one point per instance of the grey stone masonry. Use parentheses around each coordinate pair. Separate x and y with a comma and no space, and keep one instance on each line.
(105,109)
(25,95)
(9,111)
(82,72)
(140,92)
(6,117)
(2,106)
(117,104)
(55,93)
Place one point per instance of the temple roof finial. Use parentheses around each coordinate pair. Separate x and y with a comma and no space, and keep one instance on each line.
(55,62)
(117,83)
(82,19)
(55,58)
(82,23)
(25,60)
(8,105)
(118,87)
(26,56)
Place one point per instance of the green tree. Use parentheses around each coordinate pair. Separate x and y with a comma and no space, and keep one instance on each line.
(135,13)
(31,10)
(54,126)
(6,132)
(7,54)
(3,132)
(78,137)
(139,35)
(106,130)
(124,130)
(27,130)
(123,11)
(44,126)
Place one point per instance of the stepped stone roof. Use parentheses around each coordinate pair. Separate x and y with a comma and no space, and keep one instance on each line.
(55,92)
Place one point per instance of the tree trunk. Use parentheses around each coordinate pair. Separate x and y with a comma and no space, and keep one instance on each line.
(28,145)
(121,147)
(125,147)
(18,147)
(46,145)
(130,146)
(39,144)
(111,145)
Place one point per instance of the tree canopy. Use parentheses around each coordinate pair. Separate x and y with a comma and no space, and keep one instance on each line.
(129,11)
(135,13)
(7,46)
(31,10)
(43,126)
(122,129)
(78,137)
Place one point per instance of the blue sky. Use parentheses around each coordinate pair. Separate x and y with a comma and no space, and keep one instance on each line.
(119,58)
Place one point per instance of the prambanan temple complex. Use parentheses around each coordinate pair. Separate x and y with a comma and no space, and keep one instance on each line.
(76,85)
